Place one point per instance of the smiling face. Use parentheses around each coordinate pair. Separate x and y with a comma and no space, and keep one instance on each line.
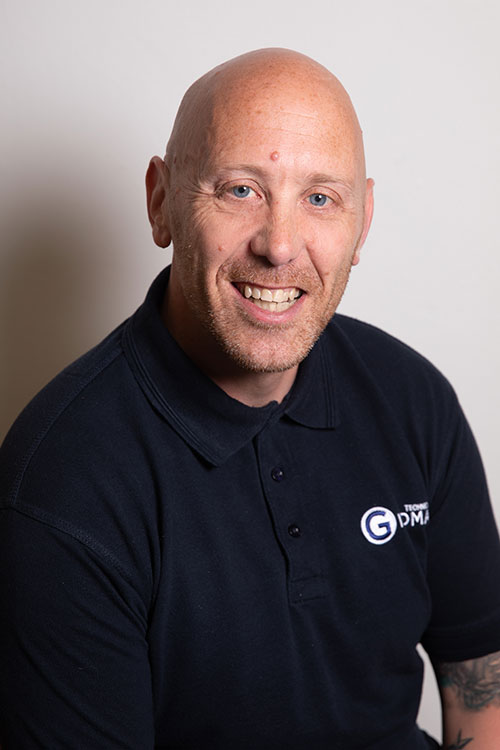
(267,212)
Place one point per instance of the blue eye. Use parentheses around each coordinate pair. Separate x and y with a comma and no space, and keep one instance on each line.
(318,199)
(241,191)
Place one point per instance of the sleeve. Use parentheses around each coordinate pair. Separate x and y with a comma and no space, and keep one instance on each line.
(74,669)
(464,553)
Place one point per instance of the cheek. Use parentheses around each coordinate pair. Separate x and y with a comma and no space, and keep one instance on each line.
(331,248)
(224,235)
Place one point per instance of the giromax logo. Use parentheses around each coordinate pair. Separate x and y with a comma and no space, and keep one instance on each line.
(379,524)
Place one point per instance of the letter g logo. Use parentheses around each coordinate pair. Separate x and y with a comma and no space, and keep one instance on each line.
(379,525)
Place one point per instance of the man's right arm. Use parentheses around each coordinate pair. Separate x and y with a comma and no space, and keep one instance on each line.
(74,667)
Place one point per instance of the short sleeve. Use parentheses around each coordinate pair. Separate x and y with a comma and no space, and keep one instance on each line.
(74,668)
(464,554)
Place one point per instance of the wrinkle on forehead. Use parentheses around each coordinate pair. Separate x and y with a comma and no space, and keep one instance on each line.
(300,114)
(269,84)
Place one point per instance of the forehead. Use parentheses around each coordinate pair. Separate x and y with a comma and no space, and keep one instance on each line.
(300,123)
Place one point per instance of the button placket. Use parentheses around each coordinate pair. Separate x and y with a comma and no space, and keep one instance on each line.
(283,492)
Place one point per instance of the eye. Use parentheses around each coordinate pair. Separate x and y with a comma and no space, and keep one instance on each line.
(318,199)
(241,191)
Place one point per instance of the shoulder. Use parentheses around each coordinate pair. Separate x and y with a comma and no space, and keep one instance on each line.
(380,347)
(381,376)
(68,455)
(65,463)
(386,360)
(47,414)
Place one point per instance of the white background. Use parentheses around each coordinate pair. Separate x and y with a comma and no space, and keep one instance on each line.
(89,91)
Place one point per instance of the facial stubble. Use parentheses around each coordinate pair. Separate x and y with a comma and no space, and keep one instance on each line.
(259,347)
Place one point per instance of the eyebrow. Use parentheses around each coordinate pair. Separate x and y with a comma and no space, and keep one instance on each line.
(240,168)
(324,177)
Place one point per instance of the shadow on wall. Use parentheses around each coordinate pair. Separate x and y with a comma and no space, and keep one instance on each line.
(51,310)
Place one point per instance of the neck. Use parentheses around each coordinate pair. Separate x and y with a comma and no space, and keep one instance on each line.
(256,388)
(251,388)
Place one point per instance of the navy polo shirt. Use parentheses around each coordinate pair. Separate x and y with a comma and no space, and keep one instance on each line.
(179,570)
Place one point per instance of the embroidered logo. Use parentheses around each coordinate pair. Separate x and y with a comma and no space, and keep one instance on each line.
(379,524)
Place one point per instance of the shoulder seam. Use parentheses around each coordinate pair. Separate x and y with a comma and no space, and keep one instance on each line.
(35,514)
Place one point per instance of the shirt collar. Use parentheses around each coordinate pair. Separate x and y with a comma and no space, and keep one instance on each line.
(211,422)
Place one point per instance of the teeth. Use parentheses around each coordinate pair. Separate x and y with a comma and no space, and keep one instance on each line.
(273,306)
(268,295)
(265,305)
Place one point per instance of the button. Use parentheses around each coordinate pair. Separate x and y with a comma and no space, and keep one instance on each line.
(294,530)
(277,474)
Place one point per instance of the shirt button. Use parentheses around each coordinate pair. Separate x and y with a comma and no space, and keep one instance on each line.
(294,530)
(277,474)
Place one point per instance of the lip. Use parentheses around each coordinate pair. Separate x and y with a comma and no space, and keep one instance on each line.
(266,316)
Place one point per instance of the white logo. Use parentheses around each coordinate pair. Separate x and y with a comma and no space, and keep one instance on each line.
(379,525)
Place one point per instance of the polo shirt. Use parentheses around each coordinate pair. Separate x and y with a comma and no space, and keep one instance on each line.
(180,570)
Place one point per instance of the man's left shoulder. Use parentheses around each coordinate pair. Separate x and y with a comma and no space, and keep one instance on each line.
(373,354)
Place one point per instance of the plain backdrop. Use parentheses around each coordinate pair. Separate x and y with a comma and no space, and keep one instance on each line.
(89,90)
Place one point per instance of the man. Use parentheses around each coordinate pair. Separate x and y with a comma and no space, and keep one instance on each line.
(230,524)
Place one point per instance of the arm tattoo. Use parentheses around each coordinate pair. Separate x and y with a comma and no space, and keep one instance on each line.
(476,682)
(460,742)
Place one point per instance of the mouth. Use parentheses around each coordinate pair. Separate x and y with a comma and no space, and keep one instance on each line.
(273,300)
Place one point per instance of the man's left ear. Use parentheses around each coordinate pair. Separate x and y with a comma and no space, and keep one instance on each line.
(157,183)
(367,219)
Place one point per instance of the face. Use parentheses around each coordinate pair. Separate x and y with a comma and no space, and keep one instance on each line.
(266,230)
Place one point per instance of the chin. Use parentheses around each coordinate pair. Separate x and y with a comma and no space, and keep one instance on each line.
(267,356)
(263,348)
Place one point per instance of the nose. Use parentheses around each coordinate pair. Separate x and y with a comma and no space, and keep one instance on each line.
(278,240)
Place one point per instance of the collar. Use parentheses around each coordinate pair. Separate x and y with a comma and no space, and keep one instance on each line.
(211,422)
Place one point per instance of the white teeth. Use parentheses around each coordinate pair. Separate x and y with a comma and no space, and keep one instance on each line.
(274,300)
(280,306)
(273,306)
(270,295)
(266,305)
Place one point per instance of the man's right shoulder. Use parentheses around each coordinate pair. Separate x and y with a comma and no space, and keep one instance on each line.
(60,414)
(74,467)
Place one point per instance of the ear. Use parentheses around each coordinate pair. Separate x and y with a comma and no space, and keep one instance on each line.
(367,220)
(157,183)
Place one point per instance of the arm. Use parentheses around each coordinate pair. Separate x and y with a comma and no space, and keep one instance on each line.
(74,667)
(470,696)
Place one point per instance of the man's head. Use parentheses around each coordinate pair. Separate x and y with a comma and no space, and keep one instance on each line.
(264,194)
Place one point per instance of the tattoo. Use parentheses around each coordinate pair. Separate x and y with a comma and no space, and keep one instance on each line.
(460,742)
(476,682)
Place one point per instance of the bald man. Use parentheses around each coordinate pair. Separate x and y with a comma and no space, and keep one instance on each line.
(231,523)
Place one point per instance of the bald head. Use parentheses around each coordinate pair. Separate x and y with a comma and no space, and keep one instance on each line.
(250,87)
(264,196)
